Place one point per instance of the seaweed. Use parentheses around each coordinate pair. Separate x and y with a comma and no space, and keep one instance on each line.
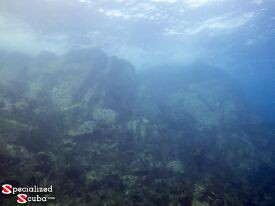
(102,134)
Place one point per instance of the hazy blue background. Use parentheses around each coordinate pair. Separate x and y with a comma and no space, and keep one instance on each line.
(234,35)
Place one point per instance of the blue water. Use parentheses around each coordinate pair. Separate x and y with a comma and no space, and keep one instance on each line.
(237,36)
(139,102)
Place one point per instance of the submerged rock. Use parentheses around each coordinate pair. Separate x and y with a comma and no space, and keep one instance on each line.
(84,121)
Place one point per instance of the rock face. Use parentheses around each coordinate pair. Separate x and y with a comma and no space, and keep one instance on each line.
(165,137)
(77,84)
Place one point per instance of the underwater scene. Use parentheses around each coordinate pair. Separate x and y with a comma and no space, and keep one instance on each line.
(137,102)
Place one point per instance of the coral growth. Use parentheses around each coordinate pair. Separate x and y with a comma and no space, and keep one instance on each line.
(101,134)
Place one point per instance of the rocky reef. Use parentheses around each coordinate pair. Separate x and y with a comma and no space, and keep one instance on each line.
(102,134)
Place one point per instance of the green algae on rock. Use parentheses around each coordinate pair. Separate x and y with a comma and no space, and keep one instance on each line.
(102,134)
